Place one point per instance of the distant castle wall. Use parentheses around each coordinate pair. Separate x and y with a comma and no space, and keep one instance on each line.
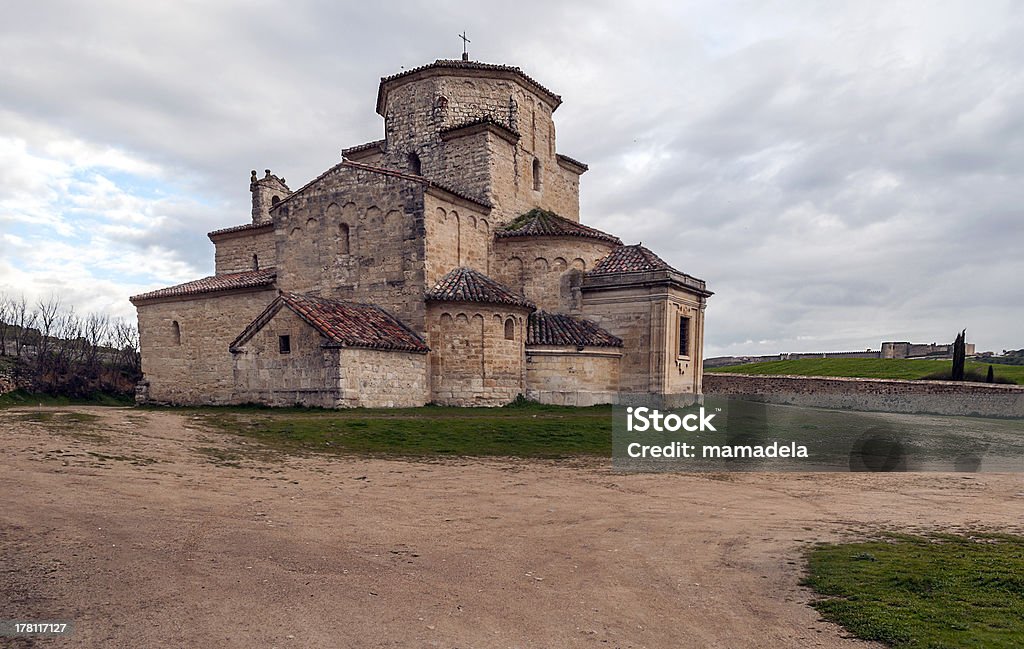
(888,350)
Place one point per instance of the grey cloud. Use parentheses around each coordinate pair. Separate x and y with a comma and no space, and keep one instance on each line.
(838,174)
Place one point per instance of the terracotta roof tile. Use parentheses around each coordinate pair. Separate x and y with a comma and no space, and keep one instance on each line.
(538,223)
(467,65)
(572,161)
(343,324)
(242,228)
(213,284)
(630,259)
(467,285)
(363,147)
(561,330)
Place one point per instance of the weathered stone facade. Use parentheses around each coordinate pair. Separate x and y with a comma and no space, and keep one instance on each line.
(462,228)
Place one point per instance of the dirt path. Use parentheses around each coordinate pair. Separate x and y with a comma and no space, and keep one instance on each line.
(149,531)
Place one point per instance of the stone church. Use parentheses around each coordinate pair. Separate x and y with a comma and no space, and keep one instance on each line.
(444,263)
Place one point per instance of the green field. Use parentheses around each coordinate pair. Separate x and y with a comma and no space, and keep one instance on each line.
(928,592)
(519,431)
(871,368)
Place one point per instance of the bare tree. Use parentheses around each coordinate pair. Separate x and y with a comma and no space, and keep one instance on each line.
(6,307)
(23,321)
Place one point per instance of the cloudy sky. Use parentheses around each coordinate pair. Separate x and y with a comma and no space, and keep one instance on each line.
(839,173)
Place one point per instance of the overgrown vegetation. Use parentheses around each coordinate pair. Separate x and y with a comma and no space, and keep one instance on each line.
(925,591)
(24,398)
(875,368)
(51,350)
(526,430)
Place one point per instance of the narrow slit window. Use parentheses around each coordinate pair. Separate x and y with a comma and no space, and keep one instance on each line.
(255,262)
(343,240)
(415,166)
(684,336)
(510,329)
(284,344)
(536,175)
(176,333)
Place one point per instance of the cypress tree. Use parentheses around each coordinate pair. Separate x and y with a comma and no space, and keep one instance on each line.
(959,356)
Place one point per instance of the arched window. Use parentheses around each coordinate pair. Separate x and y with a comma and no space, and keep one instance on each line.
(343,243)
(175,333)
(255,262)
(510,329)
(536,175)
(415,167)
(275,200)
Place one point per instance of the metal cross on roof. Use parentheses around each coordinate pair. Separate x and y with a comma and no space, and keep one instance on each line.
(465,42)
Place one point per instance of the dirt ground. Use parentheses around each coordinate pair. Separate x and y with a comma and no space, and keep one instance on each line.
(149,531)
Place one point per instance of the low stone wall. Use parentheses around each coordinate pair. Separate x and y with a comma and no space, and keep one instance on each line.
(882,395)
(7,382)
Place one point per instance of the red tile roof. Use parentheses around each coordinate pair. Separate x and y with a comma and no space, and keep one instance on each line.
(214,284)
(242,228)
(541,223)
(630,259)
(561,330)
(572,161)
(467,285)
(343,324)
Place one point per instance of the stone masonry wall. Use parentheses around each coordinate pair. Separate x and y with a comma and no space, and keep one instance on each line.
(645,318)
(311,375)
(307,375)
(885,395)
(356,235)
(373,378)
(199,370)
(471,361)
(418,111)
(234,251)
(566,377)
(456,235)
(542,268)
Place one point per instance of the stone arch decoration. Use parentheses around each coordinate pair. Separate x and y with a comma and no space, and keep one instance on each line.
(394,222)
(541,264)
(517,270)
(559,264)
(579,264)
(311,223)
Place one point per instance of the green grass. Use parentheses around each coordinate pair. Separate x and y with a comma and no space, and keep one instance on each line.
(524,431)
(925,592)
(23,398)
(872,368)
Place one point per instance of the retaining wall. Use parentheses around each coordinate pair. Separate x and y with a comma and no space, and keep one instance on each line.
(884,395)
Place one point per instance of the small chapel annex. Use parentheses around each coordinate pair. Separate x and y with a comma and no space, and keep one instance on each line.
(444,263)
